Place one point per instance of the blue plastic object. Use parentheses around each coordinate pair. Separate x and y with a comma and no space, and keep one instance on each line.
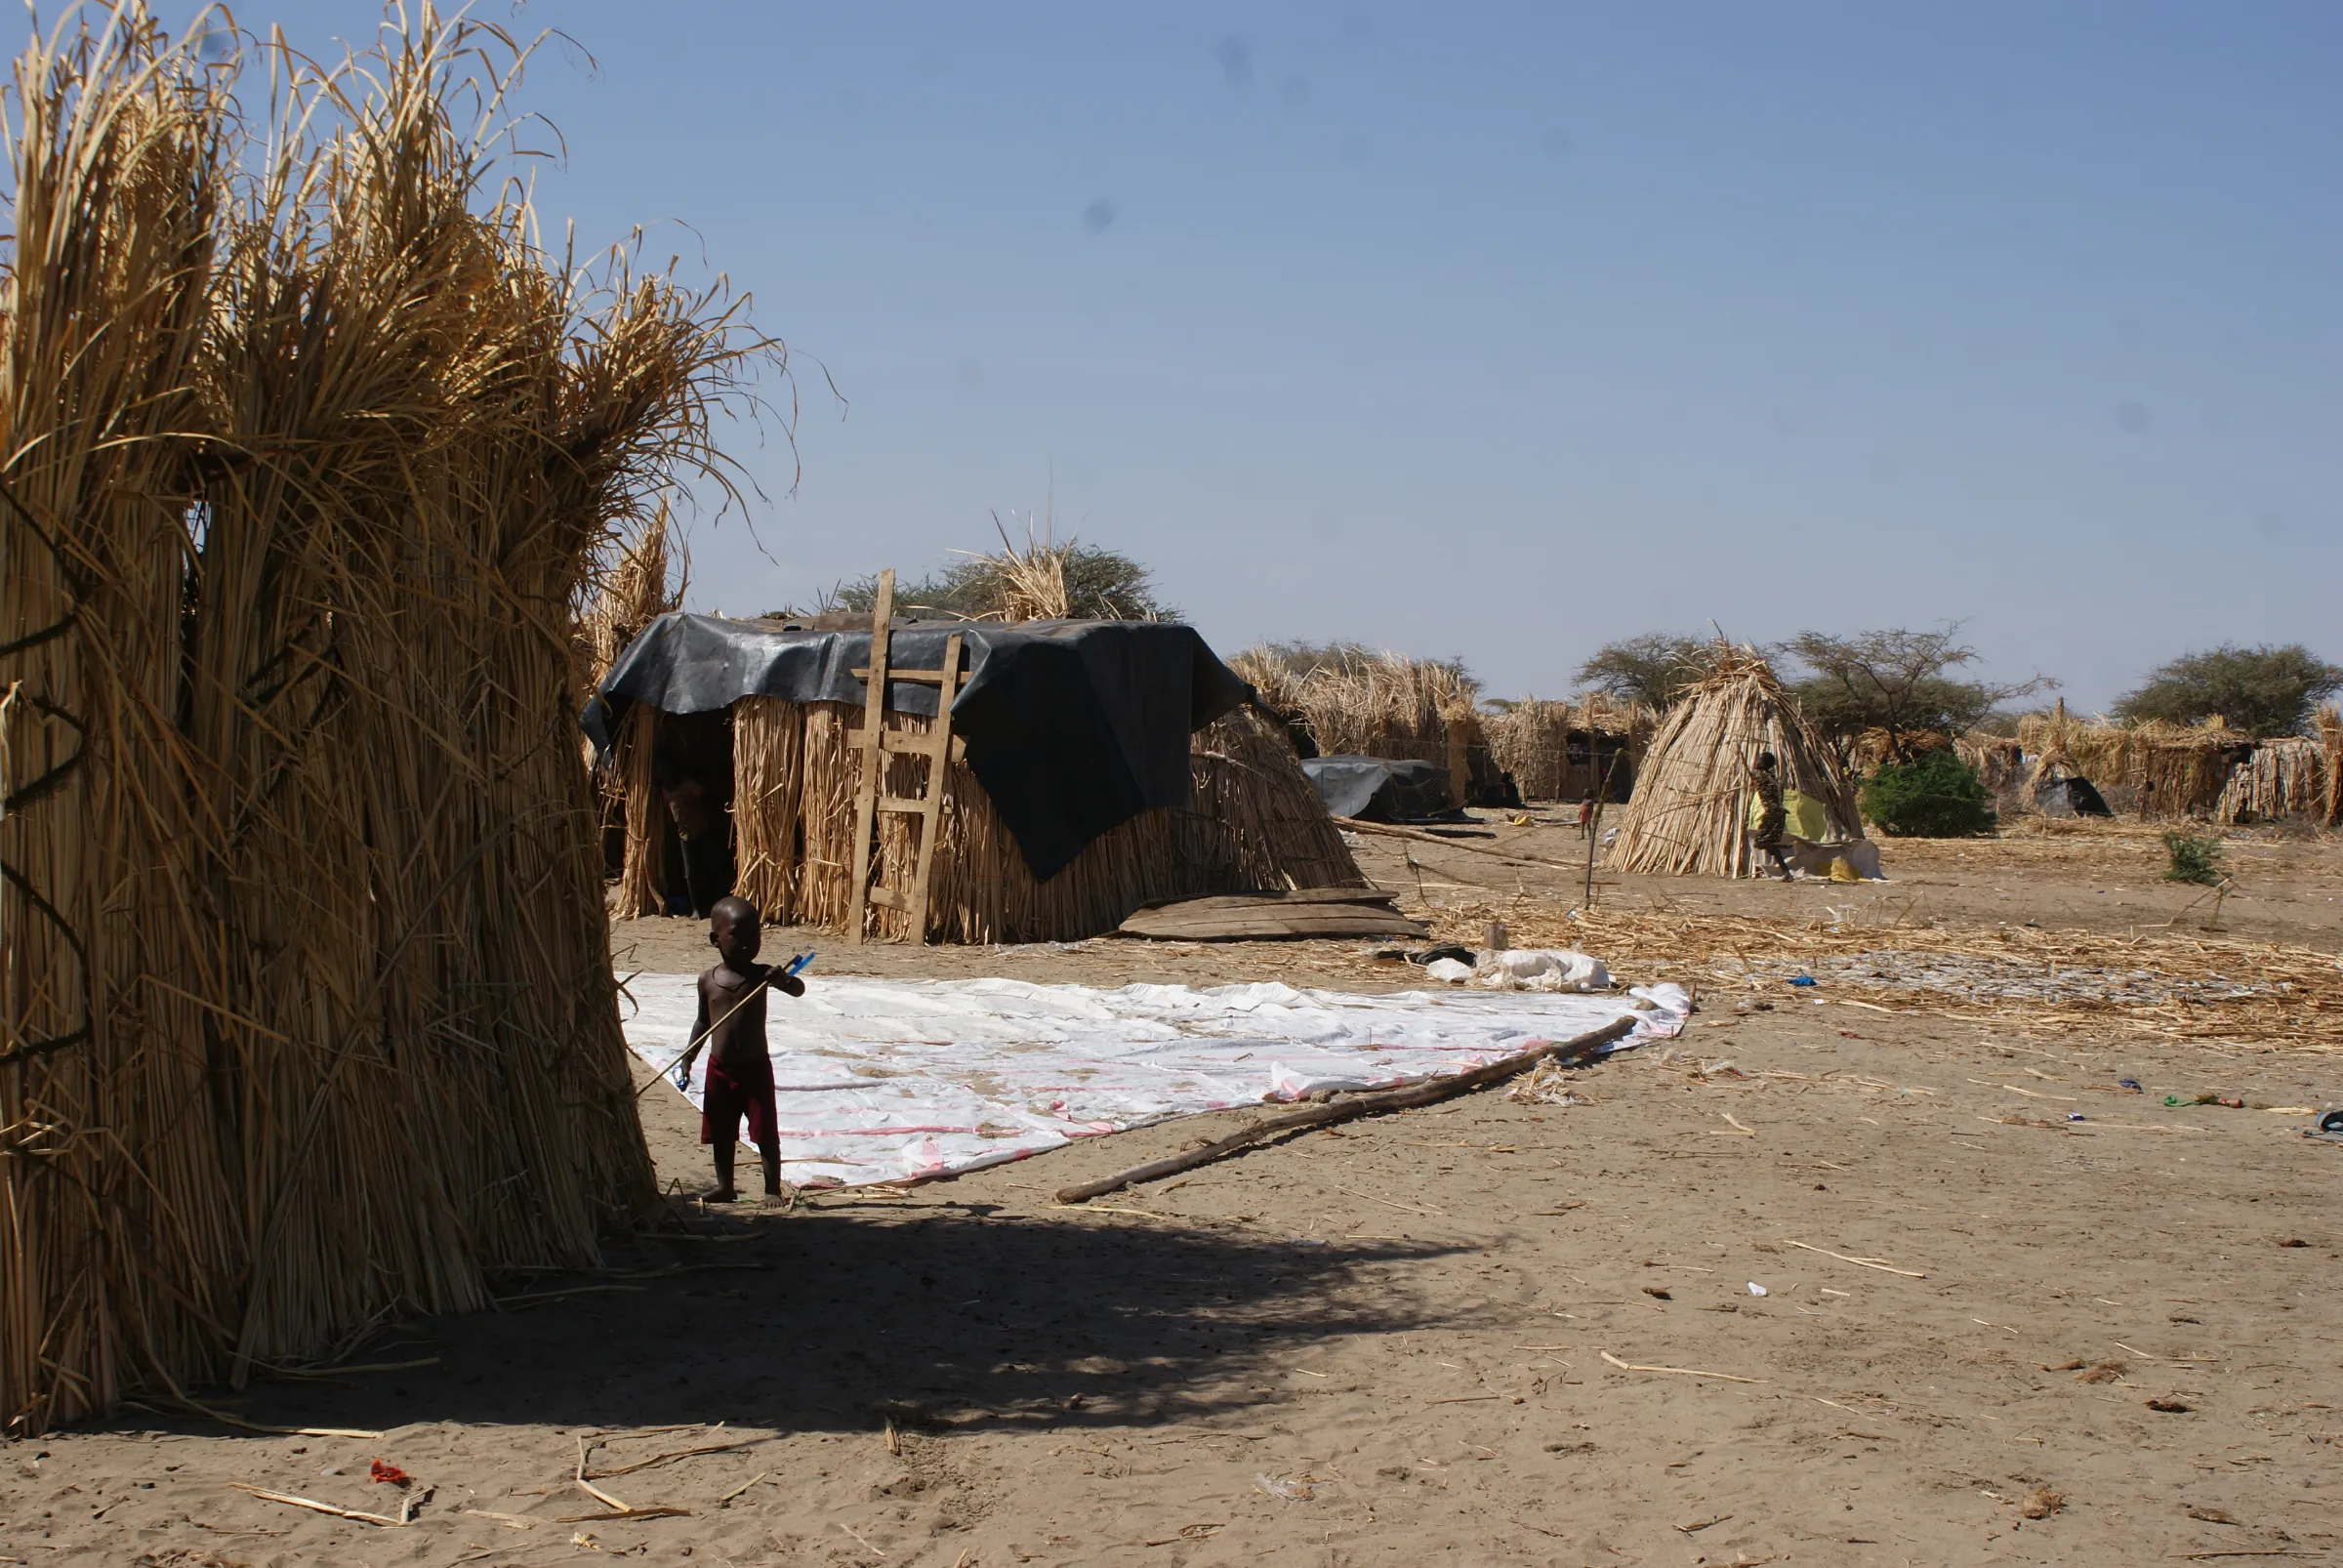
(2074,1116)
(1801,979)
(2131,1084)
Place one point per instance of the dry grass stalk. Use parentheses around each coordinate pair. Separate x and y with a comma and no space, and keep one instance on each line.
(306,1006)
(1689,815)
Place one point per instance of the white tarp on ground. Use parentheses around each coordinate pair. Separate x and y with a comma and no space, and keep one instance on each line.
(893,1080)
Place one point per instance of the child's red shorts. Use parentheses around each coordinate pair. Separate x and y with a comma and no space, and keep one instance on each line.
(731,1095)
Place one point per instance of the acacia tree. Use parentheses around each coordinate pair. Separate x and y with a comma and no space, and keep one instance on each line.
(1650,668)
(1897,681)
(1101,585)
(2264,692)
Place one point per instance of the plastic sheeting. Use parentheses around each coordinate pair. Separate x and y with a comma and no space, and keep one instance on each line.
(893,1081)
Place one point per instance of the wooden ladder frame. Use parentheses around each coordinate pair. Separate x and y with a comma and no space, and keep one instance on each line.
(938,745)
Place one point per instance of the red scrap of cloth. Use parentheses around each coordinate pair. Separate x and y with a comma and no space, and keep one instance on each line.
(731,1095)
(387,1474)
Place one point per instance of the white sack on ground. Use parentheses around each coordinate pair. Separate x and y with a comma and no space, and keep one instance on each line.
(889,1080)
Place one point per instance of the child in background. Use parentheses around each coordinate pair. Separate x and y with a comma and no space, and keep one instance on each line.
(730,1024)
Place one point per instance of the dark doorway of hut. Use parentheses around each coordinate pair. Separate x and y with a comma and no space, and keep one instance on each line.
(691,764)
(884,754)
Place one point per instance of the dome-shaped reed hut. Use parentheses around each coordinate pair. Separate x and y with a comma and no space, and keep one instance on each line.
(1690,813)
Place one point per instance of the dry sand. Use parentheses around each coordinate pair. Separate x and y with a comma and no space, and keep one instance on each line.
(1400,1342)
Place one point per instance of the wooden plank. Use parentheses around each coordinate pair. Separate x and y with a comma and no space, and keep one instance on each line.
(928,676)
(932,809)
(905,743)
(873,758)
(902,806)
(1231,920)
(886,898)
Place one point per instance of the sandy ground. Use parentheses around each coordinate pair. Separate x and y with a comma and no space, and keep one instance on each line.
(1481,1333)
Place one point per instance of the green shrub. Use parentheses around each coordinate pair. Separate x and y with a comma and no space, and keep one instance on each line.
(2193,859)
(1933,796)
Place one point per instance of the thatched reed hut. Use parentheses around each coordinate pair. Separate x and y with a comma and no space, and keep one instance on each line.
(1567,751)
(2298,777)
(2166,771)
(1108,765)
(1690,813)
(306,1016)
(1345,700)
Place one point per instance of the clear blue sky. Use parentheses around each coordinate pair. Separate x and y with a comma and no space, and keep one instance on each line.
(1502,331)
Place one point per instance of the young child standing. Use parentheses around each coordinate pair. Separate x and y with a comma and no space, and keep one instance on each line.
(730,1024)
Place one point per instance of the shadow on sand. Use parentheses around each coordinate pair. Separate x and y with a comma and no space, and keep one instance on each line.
(851,1316)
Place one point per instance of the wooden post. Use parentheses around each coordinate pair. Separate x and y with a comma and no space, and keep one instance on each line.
(874,756)
(932,802)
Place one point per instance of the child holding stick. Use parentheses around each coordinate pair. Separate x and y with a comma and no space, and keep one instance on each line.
(730,1024)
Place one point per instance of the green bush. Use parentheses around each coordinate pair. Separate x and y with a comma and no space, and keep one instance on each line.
(2193,859)
(1933,796)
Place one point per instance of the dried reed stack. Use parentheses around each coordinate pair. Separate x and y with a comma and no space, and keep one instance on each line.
(1999,759)
(1355,702)
(306,1008)
(1690,813)
(2327,723)
(2179,770)
(1254,823)
(632,592)
(1531,740)
(2285,777)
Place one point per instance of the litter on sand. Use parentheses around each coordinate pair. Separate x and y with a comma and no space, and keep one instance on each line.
(1545,968)
(893,1081)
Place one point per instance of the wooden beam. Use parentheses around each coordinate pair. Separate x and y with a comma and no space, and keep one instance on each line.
(874,756)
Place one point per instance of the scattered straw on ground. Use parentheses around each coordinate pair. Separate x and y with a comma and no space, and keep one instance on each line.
(2174,985)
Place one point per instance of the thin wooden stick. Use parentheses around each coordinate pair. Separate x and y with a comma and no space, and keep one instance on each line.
(1376,1104)
(315,1507)
(1860,1262)
(1681,1372)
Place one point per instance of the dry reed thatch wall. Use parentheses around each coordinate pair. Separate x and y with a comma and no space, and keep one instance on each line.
(1254,823)
(1531,739)
(2179,770)
(306,1009)
(1689,815)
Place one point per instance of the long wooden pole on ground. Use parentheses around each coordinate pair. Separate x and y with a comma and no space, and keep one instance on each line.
(1377,1104)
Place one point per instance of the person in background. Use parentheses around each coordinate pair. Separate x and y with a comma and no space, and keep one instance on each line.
(1772,818)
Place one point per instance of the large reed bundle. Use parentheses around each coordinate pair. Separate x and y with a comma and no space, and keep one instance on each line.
(1558,751)
(306,1008)
(1690,813)
(1358,702)
(1254,823)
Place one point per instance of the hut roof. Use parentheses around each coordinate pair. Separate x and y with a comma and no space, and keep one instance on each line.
(1690,810)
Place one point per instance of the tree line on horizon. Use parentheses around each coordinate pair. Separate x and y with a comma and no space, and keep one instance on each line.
(1906,682)
(1895,680)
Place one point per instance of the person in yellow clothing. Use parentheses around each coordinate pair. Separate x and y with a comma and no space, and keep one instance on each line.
(1771,817)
